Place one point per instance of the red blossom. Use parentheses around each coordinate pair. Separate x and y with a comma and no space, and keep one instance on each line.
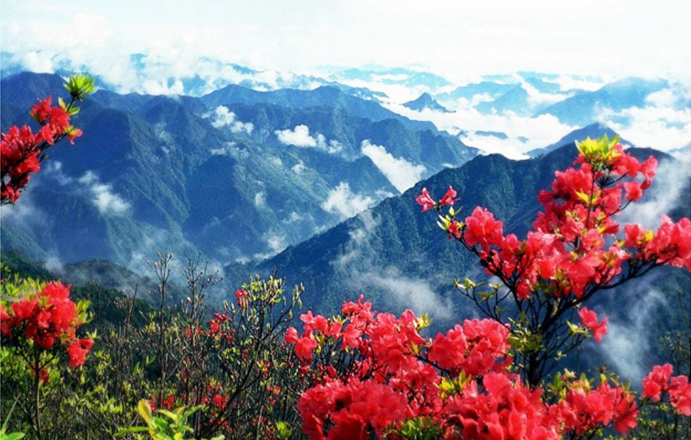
(425,200)
(589,320)
(449,197)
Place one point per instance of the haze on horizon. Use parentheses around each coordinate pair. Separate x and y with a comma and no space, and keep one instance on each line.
(457,40)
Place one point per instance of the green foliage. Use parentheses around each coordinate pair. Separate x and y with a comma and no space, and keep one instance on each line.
(420,428)
(79,86)
(173,426)
(4,435)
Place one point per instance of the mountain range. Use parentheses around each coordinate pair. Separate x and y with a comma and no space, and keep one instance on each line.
(399,256)
(195,176)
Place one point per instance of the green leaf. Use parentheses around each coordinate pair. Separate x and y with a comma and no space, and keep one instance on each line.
(131,430)
(144,410)
(174,417)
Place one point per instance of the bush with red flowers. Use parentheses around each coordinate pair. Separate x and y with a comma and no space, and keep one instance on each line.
(21,150)
(375,375)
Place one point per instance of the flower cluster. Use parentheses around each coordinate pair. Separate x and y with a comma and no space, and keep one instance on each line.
(45,318)
(460,382)
(589,320)
(21,149)
(660,381)
(573,247)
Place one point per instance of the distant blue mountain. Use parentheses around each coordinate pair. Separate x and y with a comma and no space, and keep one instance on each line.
(327,96)
(544,86)
(468,91)
(584,107)
(592,131)
(425,102)
(496,134)
(515,99)
(397,75)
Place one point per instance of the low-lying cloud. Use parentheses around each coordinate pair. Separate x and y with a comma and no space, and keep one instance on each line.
(671,179)
(524,133)
(415,293)
(103,197)
(222,117)
(300,136)
(343,202)
(297,137)
(625,346)
(401,173)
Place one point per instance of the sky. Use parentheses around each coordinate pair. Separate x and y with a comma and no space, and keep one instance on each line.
(455,38)
(600,40)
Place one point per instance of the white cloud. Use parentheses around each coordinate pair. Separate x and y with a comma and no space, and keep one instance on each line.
(53,169)
(358,237)
(298,137)
(161,87)
(414,293)
(107,202)
(162,134)
(38,62)
(671,178)
(538,131)
(260,199)
(276,161)
(299,168)
(221,117)
(342,201)
(227,149)
(276,242)
(293,217)
(627,354)
(401,173)
(569,82)
(663,128)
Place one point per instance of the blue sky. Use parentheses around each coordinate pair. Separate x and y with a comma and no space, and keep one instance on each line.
(457,39)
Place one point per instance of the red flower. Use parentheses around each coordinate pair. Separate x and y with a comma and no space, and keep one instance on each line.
(483,229)
(305,346)
(589,320)
(425,200)
(78,350)
(291,335)
(449,197)
(454,230)
(242,298)
(633,191)
(680,395)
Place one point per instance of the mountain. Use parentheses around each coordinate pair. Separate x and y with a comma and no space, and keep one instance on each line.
(488,88)
(343,134)
(496,134)
(397,76)
(585,107)
(153,172)
(398,256)
(425,102)
(543,86)
(326,96)
(515,99)
(592,131)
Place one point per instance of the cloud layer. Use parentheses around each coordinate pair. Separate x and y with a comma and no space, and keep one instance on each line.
(343,202)
(401,173)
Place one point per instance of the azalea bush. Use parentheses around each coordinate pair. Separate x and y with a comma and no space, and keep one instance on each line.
(41,348)
(375,375)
